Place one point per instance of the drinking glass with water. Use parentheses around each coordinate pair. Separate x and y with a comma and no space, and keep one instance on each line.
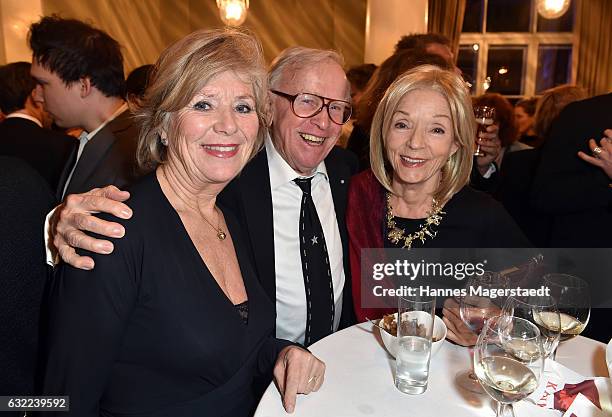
(414,337)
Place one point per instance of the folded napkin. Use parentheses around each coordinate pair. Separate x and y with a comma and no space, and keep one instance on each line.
(563,392)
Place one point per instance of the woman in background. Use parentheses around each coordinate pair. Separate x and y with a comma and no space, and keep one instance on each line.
(524,113)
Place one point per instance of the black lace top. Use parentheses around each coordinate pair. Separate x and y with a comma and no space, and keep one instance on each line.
(243,310)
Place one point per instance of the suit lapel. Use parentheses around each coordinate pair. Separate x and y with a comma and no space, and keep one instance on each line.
(65,172)
(338,181)
(339,173)
(94,151)
(257,205)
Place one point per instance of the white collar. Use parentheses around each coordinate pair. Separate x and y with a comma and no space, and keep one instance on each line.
(280,171)
(19,115)
(113,116)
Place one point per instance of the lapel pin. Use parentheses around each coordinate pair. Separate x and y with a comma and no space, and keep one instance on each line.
(341,181)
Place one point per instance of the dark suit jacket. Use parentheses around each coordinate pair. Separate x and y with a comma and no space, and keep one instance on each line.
(251,198)
(25,198)
(574,193)
(108,158)
(516,177)
(44,150)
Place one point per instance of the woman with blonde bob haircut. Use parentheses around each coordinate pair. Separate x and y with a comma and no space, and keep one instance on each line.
(416,193)
(456,172)
(174,322)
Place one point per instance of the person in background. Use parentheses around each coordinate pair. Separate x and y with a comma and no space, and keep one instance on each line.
(26,134)
(524,113)
(550,105)
(136,82)
(519,168)
(416,195)
(601,154)
(575,194)
(358,77)
(25,199)
(432,43)
(504,118)
(79,72)
(174,322)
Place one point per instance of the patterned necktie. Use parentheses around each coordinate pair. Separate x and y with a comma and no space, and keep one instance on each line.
(315,267)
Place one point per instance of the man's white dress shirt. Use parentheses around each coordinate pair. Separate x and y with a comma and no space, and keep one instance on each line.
(286,203)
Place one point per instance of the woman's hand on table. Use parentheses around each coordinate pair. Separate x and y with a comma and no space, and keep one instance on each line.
(457,331)
(297,371)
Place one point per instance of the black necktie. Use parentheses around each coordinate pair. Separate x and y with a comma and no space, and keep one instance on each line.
(315,268)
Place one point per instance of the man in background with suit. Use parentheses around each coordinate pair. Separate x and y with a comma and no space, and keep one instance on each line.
(310,98)
(26,134)
(79,71)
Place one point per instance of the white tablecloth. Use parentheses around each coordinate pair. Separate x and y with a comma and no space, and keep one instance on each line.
(359,379)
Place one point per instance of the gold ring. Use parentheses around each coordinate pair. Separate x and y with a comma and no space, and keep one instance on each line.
(597,150)
(312,378)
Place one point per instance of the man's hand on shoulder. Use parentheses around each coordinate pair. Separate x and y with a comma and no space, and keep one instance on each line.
(74,217)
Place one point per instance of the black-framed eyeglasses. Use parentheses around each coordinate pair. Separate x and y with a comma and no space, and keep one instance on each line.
(306,105)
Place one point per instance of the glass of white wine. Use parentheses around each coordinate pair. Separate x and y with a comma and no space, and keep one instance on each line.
(541,311)
(573,298)
(475,308)
(509,360)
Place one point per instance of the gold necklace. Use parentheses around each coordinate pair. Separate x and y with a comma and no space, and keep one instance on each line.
(220,233)
(395,234)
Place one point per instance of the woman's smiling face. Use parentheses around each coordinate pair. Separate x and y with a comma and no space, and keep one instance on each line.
(420,139)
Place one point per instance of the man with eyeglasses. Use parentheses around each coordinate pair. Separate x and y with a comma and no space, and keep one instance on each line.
(290,198)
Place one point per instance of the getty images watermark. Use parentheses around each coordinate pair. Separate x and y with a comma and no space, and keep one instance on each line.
(405,269)
(389,273)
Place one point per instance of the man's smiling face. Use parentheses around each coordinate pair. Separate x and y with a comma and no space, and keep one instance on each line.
(305,142)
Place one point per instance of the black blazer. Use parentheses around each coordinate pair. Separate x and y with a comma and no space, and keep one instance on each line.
(251,197)
(45,150)
(109,158)
(573,192)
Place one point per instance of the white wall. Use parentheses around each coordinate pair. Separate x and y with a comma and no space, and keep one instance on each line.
(389,20)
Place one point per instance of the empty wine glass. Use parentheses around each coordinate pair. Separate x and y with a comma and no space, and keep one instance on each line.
(485,116)
(475,308)
(509,359)
(573,300)
(543,312)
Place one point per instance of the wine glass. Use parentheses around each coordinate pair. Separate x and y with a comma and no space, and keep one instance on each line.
(543,312)
(485,116)
(574,301)
(475,308)
(509,359)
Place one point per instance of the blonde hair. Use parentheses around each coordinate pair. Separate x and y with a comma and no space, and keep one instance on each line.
(298,57)
(550,105)
(456,171)
(181,71)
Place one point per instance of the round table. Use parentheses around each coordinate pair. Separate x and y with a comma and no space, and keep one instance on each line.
(359,379)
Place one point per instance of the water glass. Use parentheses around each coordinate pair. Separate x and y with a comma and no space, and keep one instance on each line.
(414,337)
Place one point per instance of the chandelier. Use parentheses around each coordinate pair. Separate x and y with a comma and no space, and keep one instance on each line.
(552,9)
(233,12)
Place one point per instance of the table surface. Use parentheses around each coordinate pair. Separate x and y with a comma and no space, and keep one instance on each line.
(359,379)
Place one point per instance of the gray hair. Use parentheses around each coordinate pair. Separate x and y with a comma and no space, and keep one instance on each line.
(298,57)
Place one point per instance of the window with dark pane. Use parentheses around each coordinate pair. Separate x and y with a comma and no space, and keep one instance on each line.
(508,15)
(564,23)
(467,61)
(472,19)
(554,66)
(505,67)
